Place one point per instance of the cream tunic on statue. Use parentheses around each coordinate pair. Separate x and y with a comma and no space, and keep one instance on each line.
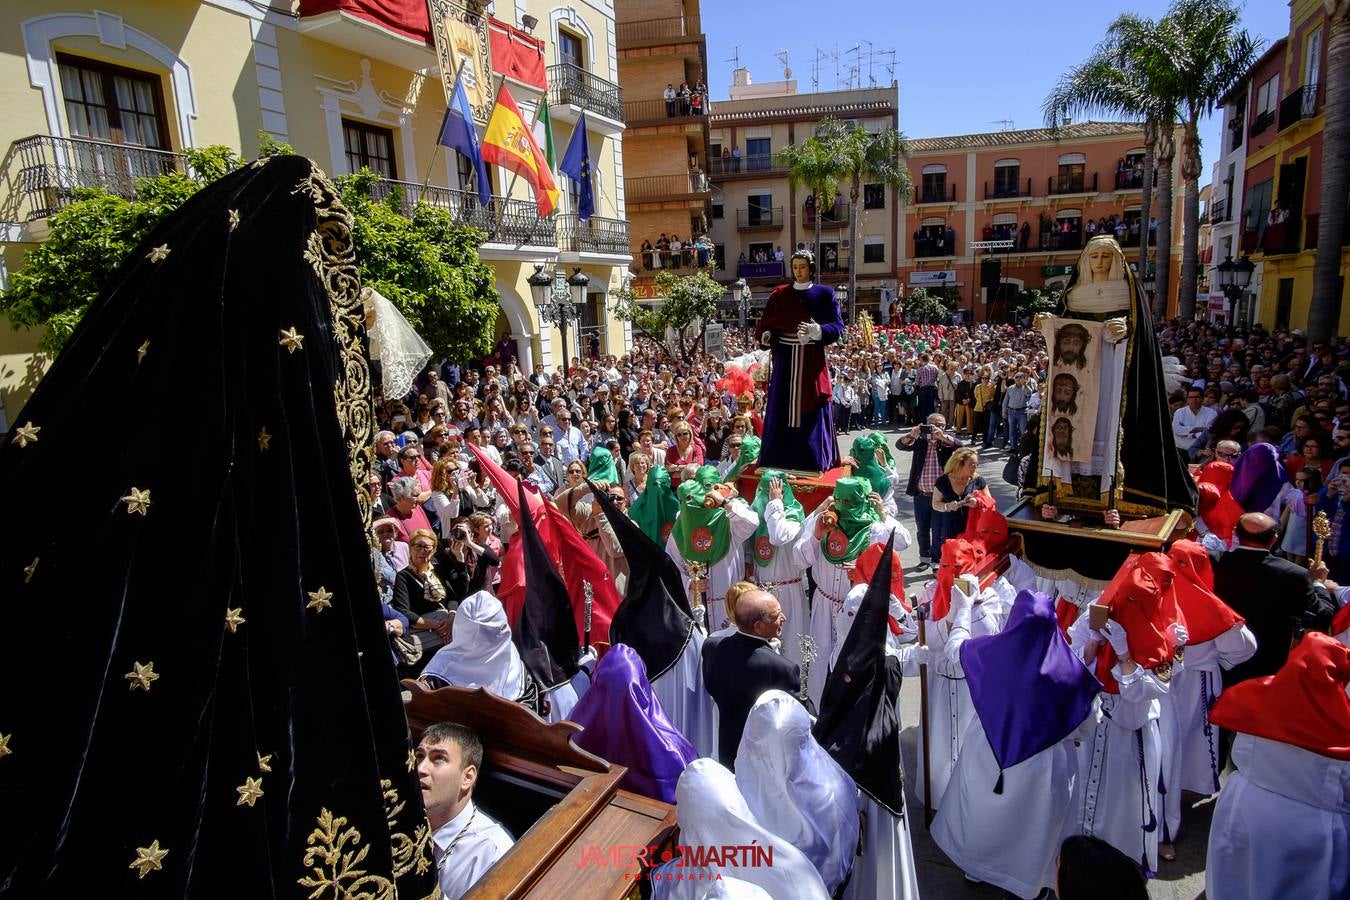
(1010,839)
(1281,828)
(950,711)
(687,703)
(1117,789)
(726,571)
(1190,744)
(783,578)
(832,587)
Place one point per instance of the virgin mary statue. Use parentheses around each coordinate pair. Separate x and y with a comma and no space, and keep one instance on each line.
(200,700)
(1104,338)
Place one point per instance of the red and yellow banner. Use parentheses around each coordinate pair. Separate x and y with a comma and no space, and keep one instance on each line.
(510,144)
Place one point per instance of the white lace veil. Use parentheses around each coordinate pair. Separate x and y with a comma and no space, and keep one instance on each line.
(400,350)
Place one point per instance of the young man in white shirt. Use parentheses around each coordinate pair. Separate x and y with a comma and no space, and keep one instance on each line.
(465,841)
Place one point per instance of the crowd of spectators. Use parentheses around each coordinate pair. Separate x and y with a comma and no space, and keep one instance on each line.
(670,252)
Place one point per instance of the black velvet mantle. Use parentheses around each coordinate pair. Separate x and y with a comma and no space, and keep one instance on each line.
(245,586)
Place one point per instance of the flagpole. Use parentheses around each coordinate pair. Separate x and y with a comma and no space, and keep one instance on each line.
(426,180)
(514,174)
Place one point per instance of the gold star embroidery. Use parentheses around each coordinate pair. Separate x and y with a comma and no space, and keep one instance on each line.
(158,254)
(143,349)
(138,501)
(264,763)
(412,759)
(25,434)
(249,791)
(148,859)
(234,219)
(142,675)
(319,600)
(4,745)
(264,439)
(291,339)
(30,570)
(233,619)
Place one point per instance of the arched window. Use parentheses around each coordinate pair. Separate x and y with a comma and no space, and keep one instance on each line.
(1007,175)
(934,188)
(932,238)
(1072,167)
(1130,170)
(1067,233)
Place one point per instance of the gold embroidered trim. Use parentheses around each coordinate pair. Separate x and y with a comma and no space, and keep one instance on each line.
(336,851)
(332,255)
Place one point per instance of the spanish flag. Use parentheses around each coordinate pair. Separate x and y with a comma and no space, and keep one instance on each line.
(509,143)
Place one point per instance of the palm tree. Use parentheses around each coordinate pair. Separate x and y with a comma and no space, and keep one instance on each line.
(1209,54)
(873,158)
(1322,322)
(1127,76)
(814,164)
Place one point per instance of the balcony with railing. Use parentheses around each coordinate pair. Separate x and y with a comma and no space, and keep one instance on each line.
(1218,212)
(1071,184)
(1282,237)
(504,220)
(1005,190)
(765,217)
(654,32)
(638,113)
(835,216)
(1129,181)
(754,164)
(1262,121)
(688,185)
(1299,105)
(940,194)
(51,169)
(595,235)
(569,86)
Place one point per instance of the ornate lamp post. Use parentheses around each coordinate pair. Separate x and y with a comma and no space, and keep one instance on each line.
(742,297)
(553,300)
(1234,277)
(841,294)
(578,284)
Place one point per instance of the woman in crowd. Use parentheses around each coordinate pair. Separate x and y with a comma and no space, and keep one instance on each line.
(955,492)
(421,597)
(444,499)
(406,511)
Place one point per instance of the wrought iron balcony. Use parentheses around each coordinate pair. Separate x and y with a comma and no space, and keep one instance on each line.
(1218,212)
(503,220)
(768,217)
(648,32)
(755,164)
(51,169)
(1299,105)
(568,84)
(1129,181)
(666,187)
(595,235)
(1007,189)
(665,112)
(946,194)
(835,216)
(1072,184)
(1263,121)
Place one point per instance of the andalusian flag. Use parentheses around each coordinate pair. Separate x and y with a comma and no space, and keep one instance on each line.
(509,143)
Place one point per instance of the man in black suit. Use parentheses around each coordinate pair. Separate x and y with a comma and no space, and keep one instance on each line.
(932,446)
(739,666)
(1277,598)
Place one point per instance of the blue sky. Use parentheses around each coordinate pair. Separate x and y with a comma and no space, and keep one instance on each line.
(962,65)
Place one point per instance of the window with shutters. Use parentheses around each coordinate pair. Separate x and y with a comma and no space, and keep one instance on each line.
(370,147)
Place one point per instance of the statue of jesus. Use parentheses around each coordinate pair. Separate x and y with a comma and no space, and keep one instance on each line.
(799,320)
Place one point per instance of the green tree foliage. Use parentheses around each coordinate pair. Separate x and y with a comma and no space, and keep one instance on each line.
(930,307)
(427,266)
(1035,300)
(690,304)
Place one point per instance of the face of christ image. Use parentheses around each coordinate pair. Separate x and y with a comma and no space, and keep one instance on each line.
(1061,438)
(1070,344)
(1064,393)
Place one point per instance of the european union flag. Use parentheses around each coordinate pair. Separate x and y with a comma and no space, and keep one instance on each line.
(459,133)
(576,164)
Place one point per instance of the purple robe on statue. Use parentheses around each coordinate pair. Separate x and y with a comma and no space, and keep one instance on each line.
(799,417)
(623,722)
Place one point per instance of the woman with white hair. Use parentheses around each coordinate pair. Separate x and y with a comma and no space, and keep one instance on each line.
(406,511)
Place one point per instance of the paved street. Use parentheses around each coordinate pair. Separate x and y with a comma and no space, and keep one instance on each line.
(1183,879)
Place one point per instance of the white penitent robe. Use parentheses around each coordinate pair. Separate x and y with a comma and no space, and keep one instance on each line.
(1010,839)
(886,870)
(685,700)
(1190,759)
(950,710)
(1116,795)
(832,587)
(783,578)
(1282,825)
(726,571)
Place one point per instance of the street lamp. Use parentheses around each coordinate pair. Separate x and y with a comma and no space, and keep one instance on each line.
(553,299)
(842,293)
(742,297)
(578,284)
(1234,277)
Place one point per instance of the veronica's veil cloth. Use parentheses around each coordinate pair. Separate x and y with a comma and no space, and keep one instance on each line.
(209,707)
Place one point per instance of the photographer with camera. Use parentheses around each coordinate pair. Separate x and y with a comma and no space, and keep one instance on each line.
(932,446)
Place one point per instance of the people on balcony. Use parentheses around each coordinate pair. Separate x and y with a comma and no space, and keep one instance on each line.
(672,100)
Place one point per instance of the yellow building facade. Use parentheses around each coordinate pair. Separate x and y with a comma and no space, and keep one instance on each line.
(94,97)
